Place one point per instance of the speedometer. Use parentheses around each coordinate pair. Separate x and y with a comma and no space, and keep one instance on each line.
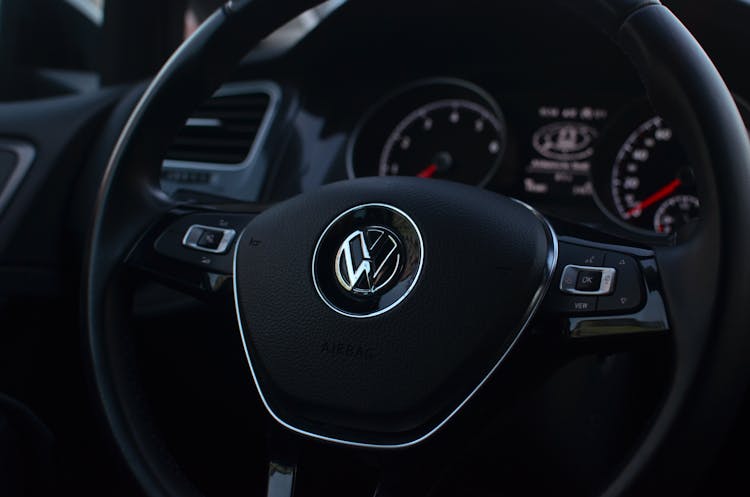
(650,169)
(642,175)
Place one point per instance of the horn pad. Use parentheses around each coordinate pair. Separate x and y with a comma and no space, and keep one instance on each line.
(375,252)
(372,309)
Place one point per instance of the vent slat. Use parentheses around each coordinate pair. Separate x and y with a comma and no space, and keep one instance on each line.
(246,130)
(222,130)
(236,114)
(223,102)
(208,142)
(208,157)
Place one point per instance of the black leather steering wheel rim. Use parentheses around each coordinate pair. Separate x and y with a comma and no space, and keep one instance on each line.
(710,338)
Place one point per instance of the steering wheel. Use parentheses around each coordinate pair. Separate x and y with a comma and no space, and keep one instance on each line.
(375,313)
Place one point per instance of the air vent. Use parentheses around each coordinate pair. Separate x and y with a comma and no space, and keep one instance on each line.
(222,130)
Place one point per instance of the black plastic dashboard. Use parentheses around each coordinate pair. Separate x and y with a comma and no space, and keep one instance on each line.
(536,66)
(535,105)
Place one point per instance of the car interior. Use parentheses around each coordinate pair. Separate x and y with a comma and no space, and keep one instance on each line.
(293,248)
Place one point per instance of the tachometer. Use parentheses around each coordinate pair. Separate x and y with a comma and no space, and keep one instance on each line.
(438,128)
(458,140)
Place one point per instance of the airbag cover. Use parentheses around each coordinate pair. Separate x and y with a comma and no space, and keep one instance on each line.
(388,377)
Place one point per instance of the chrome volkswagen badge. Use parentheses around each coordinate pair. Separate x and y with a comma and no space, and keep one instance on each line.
(368,260)
(376,252)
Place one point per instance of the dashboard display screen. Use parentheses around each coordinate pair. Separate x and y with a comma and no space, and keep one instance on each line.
(557,156)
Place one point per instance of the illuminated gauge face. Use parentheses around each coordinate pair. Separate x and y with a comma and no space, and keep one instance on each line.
(440,128)
(674,212)
(652,185)
(454,139)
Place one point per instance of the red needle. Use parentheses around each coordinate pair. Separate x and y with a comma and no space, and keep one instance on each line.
(428,171)
(663,192)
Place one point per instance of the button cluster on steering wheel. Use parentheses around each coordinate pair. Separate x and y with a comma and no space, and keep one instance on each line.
(617,276)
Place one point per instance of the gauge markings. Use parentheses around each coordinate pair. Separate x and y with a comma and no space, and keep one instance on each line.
(674,212)
(454,139)
(660,194)
(650,167)
(446,122)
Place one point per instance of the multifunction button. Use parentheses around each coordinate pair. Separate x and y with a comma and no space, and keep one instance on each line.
(204,240)
(590,281)
(208,238)
(627,294)
(585,280)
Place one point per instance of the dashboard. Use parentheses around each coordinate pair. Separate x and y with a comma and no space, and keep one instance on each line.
(602,159)
(555,117)
(617,154)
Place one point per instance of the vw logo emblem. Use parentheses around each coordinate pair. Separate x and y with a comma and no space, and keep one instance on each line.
(367,260)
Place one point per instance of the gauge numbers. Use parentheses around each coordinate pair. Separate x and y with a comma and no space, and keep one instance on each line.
(451,139)
(674,212)
(652,184)
(439,128)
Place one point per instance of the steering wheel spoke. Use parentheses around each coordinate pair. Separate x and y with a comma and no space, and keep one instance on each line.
(297,467)
(280,479)
(603,289)
(191,249)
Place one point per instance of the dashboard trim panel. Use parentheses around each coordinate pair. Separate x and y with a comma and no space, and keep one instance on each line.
(244,180)
(25,153)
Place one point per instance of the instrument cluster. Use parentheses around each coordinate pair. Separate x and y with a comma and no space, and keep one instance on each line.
(610,151)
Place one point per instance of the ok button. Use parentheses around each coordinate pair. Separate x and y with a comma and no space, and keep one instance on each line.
(589,281)
(586,280)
